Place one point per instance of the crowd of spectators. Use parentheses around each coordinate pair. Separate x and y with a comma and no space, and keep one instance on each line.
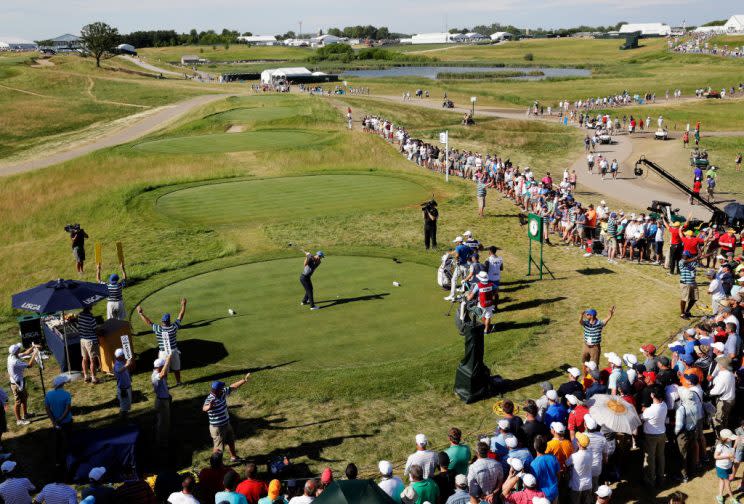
(699,43)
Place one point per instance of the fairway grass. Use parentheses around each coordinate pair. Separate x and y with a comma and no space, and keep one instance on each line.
(256,114)
(283,199)
(236,142)
(364,319)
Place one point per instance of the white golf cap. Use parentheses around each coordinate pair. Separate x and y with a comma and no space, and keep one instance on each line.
(575,372)
(572,399)
(718,346)
(511,442)
(615,359)
(504,424)
(386,468)
(461,480)
(630,359)
(60,380)
(691,331)
(119,353)
(590,365)
(14,348)
(604,491)
(421,439)
(590,422)
(632,375)
(158,363)
(7,466)
(609,354)
(97,473)
(558,427)
(468,233)
(552,395)
(515,463)
(602,202)
(457,240)
(727,435)
(483,276)
(529,480)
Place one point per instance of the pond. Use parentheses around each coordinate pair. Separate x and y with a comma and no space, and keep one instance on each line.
(430,72)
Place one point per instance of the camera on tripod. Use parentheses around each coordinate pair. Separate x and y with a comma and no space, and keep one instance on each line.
(72,228)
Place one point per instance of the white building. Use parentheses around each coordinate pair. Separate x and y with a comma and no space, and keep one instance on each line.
(192,59)
(708,29)
(297,43)
(647,29)
(434,38)
(66,42)
(274,74)
(474,38)
(501,36)
(735,24)
(262,40)
(324,40)
(17,44)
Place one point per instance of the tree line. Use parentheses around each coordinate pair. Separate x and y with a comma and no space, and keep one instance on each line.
(487,30)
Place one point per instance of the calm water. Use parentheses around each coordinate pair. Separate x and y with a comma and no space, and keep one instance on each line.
(430,72)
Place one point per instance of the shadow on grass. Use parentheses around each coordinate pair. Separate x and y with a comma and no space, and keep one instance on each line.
(334,302)
(203,323)
(532,303)
(511,325)
(595,271)
(195,353)
(533,379)
(237,372)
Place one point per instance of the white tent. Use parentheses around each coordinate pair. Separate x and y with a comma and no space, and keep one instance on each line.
(474,37)
(267,40)
(324,40)
(270,75)
(498,36)
(647,29)
(433,38)
(735,24)
(16,44)
(708,29)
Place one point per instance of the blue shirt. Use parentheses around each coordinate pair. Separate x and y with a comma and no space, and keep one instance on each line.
(463,254)
(522,454)
(160,385)
(545,468)
(555,413)
(231,497)
(123,379)
(58,400)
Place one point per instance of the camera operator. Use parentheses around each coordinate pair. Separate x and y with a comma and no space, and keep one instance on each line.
(77,237)
(431,214)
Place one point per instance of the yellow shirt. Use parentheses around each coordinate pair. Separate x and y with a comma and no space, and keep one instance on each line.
(561,448)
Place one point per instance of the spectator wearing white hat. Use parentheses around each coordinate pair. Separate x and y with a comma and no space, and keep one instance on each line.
(159,379)
(122,370)
(16,368)
(485,472)
(618,376)
(391,485)
(542,402)
(484,289)
(471,242)
(498,441)
(593,327)
(461,495)
(422,457)
(604,494)
(724,455)
(576,415)
(103,494)
(14,489)
(572,386)
(518,452)
(461,254)
(527,495)
(654,430)
(559,445)
(598,447)
(556,412)
(58,404)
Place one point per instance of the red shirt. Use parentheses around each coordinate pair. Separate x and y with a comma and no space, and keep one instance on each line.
(674,235)
(690,244)
(210,482)
(727,242)
(696,186)
(253,490)
(576,418)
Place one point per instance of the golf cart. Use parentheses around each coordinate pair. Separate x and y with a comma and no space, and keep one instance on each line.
(661,134)
(699,159)
(603,136)
(447,103)
(712,94)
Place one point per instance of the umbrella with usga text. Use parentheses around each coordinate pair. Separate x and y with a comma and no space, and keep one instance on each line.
(614,413)
(60,295)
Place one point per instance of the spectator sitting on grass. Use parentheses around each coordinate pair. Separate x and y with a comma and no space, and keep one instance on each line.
(14,489)
(104,494)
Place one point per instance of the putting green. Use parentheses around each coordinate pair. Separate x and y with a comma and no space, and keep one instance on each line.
(287,198)
(257,114)
(235,142)
(364,319)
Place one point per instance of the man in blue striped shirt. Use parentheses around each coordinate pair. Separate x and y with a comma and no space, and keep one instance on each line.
(593,334)
(687,282)
(88,330)
(215,405)
(115,305)
(166,336)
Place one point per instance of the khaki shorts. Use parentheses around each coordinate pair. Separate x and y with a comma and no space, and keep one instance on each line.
(19,395)
(481,201)
(688,293)
(175,362)
(221,435)
(89,349)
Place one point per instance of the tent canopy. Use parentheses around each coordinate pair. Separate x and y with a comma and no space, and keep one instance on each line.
(353,492)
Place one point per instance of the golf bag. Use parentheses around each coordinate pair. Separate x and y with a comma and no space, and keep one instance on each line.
(444,273)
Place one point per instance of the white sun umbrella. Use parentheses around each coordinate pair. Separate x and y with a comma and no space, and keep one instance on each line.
(614,413)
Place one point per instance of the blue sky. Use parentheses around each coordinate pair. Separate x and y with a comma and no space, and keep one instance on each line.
(38,19)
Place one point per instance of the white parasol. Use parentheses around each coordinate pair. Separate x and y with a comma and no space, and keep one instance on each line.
(614,413)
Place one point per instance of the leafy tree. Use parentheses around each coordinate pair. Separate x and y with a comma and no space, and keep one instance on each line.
(717,22)
(100,39)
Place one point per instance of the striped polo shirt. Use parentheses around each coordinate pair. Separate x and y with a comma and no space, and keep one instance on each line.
(687,272)
(612,228)
(218,414)
(56,493)
(169,332)
(592,332)
(114,291)
(87,326)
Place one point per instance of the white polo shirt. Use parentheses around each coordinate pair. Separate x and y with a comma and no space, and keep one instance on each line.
(654,418)
(724,385)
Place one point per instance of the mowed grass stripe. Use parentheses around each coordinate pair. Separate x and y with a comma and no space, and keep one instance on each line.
(235,142)
(288,198)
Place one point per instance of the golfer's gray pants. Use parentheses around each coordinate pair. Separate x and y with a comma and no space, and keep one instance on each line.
(653,457)
(459,272)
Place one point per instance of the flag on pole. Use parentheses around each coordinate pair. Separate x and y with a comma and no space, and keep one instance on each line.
(443,137)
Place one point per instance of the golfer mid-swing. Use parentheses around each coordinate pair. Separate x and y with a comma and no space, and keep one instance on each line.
(311,264)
